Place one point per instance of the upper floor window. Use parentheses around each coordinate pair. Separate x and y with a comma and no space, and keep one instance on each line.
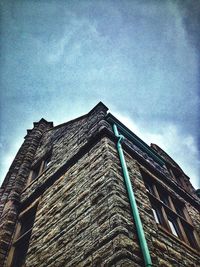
(36,171)
(47,162)
(22,236)
(40,167)
(170,212)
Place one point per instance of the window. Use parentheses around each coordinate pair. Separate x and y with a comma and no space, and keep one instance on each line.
(47,162)
(163,196)
(169,212)
(190,236)
(40,167)
(149,187)
(173,226)
(36,172)
(22,237)
(156,215)
(179,208)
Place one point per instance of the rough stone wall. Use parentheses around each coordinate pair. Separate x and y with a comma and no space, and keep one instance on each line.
(84,218)
(65,141)
(166,250)
(17,174)
(14,184)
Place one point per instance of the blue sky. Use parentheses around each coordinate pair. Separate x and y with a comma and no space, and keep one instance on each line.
(141,58)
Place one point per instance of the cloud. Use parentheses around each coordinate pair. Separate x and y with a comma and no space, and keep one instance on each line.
(137,56)
(8,157)
(181,147)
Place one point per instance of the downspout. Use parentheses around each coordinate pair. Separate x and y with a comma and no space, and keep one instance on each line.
(135,212)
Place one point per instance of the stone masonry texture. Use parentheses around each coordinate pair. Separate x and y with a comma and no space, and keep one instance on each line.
(83,216)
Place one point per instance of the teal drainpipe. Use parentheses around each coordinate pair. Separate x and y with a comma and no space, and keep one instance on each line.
(135,212)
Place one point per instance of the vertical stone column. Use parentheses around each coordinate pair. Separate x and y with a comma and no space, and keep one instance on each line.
(14,184)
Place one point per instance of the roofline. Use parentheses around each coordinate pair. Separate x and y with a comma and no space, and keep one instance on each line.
(135,139)
(170,158)
(104,132)
(68,122)
(100,104)
(42,120)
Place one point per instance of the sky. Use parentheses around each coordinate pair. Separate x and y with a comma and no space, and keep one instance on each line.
(58,59)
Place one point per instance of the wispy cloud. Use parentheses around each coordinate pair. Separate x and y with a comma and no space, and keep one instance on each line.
(8,156)
(182,148)
(138,57)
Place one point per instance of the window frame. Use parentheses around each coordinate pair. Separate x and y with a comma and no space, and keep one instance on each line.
(40,167)
(169,212)
(16,256)
(173,225)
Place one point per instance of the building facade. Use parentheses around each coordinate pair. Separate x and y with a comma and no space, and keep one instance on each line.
(89,192)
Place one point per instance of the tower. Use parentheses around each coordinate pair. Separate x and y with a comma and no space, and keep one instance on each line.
(89,192)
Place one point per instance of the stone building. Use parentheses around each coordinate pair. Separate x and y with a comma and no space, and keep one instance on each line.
(81,194)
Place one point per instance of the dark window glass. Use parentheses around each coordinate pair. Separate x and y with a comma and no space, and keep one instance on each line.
(190,236)
(27,221)
(179,209)
(149,188)
(21,248)
(47,162)
(36,171)
(163,197)
(22,242)
(169,211)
